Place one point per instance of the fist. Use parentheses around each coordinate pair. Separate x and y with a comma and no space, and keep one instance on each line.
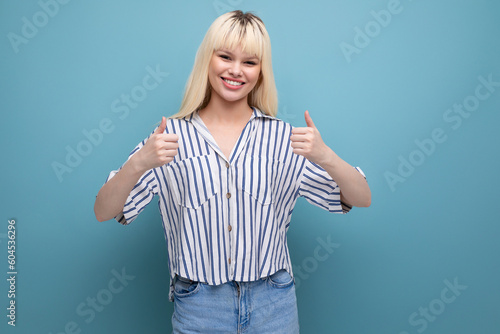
(160,149)
(307,142)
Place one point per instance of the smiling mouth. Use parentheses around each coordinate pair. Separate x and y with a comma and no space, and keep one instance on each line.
(233,83)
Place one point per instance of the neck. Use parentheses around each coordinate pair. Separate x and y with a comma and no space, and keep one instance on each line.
(226,112)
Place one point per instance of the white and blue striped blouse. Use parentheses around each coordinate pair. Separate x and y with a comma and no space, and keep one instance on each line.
(225,219)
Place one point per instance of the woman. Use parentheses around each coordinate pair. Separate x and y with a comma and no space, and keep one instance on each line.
(228,174)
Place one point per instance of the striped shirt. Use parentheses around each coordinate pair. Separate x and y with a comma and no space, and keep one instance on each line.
(226,219)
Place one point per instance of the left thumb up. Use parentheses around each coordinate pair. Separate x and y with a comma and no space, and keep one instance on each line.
(309,120)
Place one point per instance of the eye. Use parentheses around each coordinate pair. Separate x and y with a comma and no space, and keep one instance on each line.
(225,57)
(252,63)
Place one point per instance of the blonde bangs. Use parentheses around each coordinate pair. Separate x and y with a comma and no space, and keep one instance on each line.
(234,34)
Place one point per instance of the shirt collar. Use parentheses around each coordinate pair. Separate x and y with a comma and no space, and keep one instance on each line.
(256,114)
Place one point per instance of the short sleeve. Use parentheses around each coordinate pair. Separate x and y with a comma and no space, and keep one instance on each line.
(319,189)
(140,196)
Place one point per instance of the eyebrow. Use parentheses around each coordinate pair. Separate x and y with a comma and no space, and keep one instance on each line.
(232,54)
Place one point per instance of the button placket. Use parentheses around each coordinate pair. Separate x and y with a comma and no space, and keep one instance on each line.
(230,198)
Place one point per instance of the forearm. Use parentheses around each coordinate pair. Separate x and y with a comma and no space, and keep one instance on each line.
(113,195)
(353,186)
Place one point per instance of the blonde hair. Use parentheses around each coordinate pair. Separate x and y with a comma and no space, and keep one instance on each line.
(229,31)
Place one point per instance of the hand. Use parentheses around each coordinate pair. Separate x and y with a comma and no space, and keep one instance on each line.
(160,149)
(308,143)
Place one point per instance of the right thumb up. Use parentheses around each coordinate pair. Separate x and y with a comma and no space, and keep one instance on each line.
(161,128)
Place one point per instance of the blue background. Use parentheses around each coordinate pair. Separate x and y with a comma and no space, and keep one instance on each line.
(392,259)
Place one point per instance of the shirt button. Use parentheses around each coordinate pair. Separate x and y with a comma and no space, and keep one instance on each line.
(229,228)
(229,260)
(228,195)
(227,164)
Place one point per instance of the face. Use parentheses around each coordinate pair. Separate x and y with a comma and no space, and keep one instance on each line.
(233,74)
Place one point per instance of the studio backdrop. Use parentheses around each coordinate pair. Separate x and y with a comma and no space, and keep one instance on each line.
(407,90)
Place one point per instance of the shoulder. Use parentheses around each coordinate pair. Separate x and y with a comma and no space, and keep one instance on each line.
(174,123)
(276,125)
(265,118)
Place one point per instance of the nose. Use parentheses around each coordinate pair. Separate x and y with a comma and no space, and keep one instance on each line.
(235,69)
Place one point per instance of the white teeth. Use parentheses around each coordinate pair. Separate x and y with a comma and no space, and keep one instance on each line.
(233,83)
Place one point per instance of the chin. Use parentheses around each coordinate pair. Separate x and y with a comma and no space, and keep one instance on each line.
(233,97)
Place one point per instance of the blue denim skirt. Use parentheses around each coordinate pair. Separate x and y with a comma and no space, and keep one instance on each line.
(268,305)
